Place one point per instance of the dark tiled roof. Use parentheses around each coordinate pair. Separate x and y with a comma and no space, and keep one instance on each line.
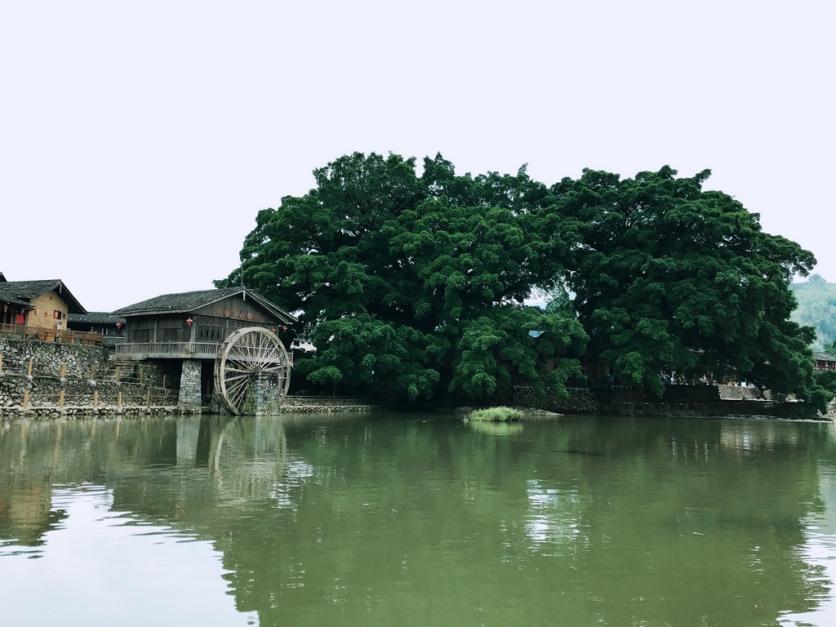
(187,302)
(7,298)
(824,357)
(24,291)
(95,317)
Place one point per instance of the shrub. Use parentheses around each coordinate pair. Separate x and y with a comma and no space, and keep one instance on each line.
(496,414)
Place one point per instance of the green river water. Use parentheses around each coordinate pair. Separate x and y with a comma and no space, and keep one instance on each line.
(417,520)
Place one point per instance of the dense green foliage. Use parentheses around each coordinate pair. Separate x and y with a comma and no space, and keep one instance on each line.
(817,308)
(670,277)
(414,286)
(827,380)
(496,414)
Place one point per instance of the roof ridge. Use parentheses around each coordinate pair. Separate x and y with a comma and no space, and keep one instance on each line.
(179,302)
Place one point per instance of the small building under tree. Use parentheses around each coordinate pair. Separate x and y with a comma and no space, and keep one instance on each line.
(824,361)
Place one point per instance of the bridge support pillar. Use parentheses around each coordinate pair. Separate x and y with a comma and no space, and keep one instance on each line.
(189,398)
(265,397)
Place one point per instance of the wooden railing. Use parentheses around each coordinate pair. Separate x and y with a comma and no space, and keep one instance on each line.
(185,350)
(51,335)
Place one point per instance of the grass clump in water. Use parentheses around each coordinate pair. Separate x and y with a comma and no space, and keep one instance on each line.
(496,414)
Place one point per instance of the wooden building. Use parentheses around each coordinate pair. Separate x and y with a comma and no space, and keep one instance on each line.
(39,305)
(193,324)
(824,361)
(187,332)
(110,326)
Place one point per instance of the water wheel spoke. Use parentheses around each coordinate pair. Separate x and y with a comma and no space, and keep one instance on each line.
(237,389)
(239,394)
(234,385)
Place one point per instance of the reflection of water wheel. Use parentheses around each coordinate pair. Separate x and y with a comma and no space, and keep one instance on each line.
(247,355)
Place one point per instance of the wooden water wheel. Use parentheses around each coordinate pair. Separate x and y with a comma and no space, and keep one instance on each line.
(249,355)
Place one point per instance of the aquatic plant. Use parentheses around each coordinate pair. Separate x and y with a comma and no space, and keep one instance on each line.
(496,414)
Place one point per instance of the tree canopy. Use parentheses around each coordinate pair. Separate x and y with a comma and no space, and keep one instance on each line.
(413,286)
(416,284)
(671,277)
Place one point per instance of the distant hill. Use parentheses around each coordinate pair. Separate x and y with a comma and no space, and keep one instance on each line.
(817,308)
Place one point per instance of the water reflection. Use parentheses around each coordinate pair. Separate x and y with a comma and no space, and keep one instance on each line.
(495,428)
(553,517)
(98,551)
(388,520)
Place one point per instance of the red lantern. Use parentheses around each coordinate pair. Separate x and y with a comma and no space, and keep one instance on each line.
(119,326)
(189,322)
(284,329)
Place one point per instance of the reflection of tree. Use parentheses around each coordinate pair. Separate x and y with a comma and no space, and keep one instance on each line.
(589,519)
(663,523)
(495,428)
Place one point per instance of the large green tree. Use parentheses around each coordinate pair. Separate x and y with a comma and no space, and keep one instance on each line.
(413,285)
(673,277)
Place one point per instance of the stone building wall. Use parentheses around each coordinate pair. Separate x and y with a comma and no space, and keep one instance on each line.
(42,315)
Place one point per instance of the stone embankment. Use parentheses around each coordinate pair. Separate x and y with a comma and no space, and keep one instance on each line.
(681,400)
(324,405)
(46,379)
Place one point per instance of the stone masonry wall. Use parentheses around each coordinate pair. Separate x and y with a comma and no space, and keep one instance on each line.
(79,360)
(706,401)
(45,379)
(190,384)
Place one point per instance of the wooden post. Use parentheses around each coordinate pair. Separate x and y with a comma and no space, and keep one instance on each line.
(148,397)
(95,398)
(29,367)
(62,373)
(119,399)
(26,398)
(117,374)
(1,363)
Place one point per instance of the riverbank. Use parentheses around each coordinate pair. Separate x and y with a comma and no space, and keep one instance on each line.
(679,401)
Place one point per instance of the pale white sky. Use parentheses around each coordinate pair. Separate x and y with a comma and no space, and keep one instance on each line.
(138,140)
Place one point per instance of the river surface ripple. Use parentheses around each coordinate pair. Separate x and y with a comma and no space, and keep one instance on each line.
(417,520)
